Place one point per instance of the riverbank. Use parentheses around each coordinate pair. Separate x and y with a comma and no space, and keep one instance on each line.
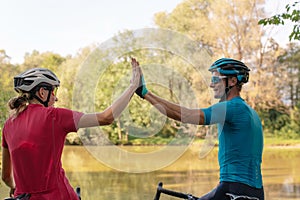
(270,142)
(157,141)
(277,142)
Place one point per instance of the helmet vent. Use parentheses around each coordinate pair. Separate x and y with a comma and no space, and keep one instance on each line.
(50,77)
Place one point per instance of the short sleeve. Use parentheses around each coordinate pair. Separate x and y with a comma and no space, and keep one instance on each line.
(215,114)
(4,143)
(67,119)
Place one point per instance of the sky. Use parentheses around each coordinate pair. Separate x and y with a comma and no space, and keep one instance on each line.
(66,26)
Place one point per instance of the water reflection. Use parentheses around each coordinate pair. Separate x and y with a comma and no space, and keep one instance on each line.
(188,174)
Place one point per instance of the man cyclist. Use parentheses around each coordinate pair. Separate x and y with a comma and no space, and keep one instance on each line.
(240,131)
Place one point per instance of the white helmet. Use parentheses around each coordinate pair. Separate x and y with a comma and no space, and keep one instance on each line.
(31,78)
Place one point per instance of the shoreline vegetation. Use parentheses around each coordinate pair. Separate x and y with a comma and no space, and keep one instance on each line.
(282,143)
(269,142)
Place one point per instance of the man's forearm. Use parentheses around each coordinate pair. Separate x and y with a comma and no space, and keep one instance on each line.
(175,111)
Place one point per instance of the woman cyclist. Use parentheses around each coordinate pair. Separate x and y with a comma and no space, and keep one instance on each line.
(34,135)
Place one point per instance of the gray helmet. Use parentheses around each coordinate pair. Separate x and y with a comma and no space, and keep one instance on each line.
(31,78)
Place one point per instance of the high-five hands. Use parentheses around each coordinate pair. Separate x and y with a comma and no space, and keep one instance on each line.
(142,89)
(136,75)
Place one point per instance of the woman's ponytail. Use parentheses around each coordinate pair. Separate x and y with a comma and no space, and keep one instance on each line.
(18,104)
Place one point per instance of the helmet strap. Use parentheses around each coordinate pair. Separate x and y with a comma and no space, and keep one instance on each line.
(48,99)
(45,103)
(227,90)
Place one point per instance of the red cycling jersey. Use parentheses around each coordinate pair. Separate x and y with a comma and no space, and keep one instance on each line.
(35,140)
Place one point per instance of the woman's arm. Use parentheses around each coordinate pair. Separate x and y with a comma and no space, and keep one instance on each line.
(115,109)
(109,114)
(175,111)
(7,174)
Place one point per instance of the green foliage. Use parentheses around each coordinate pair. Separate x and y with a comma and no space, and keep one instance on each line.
(292,129)
(273,120)
(268,76)
(284,125)
(292,14)
(48,60)
(7,71)
(290,60)
(95,77)
(4,98)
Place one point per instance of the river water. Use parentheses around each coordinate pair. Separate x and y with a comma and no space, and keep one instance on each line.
(100,178)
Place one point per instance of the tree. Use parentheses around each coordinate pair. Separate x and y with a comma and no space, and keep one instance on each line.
(229,29)
(47,60)
(290,60)
(7,71)
(292,14)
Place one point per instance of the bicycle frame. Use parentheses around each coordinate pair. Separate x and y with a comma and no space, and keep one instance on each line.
(78,192)
(20,197)
(27,196)
(160,190)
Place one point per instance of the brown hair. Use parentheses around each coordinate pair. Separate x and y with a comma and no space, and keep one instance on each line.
(18,104)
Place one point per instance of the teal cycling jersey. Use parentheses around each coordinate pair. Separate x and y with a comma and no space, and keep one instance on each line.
(240,137)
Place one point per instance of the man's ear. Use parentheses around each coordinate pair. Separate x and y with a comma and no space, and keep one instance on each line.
(233,81)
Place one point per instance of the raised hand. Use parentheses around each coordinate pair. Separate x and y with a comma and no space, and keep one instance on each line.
(142,89)
(136,74)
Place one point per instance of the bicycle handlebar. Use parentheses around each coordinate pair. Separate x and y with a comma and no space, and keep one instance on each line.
(160,190)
